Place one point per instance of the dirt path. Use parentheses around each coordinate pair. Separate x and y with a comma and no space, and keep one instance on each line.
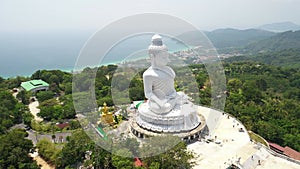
(34,110)
(41,162)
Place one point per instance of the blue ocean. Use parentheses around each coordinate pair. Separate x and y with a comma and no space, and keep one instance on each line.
(21,54)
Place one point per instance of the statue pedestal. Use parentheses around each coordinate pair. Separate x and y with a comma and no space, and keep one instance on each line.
(182,118)
(144,129)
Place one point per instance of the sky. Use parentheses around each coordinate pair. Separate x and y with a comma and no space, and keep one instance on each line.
(74,15)
(45,30)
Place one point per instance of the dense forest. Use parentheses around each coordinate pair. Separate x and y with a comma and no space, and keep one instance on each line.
(264,97)
(281,41)
(288,58)
(231,38)
(251,41)
(15,151)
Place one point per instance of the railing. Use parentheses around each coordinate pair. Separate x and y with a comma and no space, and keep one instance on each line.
(264,141)
(278,154)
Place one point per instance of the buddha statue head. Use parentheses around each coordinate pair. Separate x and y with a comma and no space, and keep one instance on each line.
(158,52)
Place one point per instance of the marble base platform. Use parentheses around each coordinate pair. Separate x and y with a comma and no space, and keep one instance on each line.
(181,118)
(184,121)
(198,132)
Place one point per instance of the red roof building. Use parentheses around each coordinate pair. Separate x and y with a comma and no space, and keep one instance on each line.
(63,125)
(288,151)
(291,153)
(277,148)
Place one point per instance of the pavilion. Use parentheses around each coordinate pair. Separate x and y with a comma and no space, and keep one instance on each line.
(35,85)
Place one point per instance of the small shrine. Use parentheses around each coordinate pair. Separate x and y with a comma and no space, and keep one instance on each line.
(106,116)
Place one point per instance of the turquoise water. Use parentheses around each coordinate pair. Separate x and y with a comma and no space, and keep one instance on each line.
(22,54)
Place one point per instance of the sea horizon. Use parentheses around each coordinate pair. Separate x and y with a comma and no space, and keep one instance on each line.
(22,55)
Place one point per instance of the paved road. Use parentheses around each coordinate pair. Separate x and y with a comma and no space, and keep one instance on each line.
(59,137)
(35,137)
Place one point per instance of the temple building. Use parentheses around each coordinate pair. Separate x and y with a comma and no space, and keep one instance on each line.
(35,85)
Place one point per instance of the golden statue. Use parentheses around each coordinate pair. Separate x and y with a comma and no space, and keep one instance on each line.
(106,116)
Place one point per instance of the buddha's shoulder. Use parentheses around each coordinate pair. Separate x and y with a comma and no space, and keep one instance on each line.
(150,72)
(169,69)
(159,71)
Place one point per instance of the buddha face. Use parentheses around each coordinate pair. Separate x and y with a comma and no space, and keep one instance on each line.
(162,58)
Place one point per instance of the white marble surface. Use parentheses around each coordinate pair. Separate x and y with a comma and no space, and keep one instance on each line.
(166,110)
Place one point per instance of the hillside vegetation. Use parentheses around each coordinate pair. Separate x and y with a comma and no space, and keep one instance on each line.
(265,98)
(229,38)
(281,41)
(289,58)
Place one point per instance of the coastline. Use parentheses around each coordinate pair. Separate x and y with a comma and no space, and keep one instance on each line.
(73,69)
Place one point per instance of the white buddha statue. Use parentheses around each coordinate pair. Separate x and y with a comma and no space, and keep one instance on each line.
(166,110)
(159,79)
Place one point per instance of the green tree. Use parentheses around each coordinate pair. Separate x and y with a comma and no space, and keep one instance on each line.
(74,151)
(136,93)
(74,124)
(48,150)
(121,82)
(251,92)
(10,111)
(121,160)
(176,157)
(108,100)
(23,96)
(100,158)
(292,140)
(261,84)
(270,131)
(81,103)
(67,87)
(27,118)
(47,113)
(15,151)
(234,85)
(44,95)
